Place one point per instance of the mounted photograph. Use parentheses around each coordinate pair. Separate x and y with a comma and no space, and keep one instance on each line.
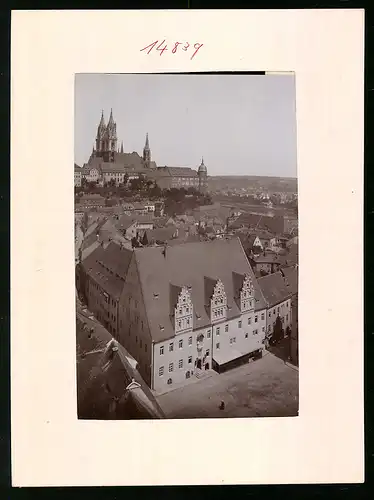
(186,246)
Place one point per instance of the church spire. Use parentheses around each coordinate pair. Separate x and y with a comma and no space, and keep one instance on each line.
(111,121)
(147,152)
(102,121)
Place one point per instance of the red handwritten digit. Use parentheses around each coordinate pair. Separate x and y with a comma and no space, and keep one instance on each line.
(186,46)
(162,50)
(176,46)
(197,46)
(151,45)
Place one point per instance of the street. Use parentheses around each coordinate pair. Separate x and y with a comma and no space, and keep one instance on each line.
(263,388)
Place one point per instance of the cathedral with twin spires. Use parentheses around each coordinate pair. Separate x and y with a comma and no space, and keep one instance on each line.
(109,163)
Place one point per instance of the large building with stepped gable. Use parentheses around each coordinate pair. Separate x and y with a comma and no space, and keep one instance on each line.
(108,163)
(178,310)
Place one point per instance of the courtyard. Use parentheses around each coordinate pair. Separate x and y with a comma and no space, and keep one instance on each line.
(267,387)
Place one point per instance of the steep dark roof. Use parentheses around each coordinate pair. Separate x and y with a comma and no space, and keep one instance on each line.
(161,234)
(187,264)
(291,276)
(269,258)
(108,267)
(109,385)
(124,222)
(160,221)
(77,168)
(112,168)
(143,218)
(176,171)
(273,224)
(274,288)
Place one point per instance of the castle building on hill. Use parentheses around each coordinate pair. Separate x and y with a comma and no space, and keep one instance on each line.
(109,163)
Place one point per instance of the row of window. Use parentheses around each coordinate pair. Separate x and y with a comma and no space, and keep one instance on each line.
(180,364)
(180,342)
(180,345)
(286,304)
(218,312)
(240,323)
(171,366)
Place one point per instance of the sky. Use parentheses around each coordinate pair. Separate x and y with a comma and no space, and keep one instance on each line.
(240,124)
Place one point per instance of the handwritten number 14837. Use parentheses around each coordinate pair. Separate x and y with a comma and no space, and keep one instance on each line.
(161,47)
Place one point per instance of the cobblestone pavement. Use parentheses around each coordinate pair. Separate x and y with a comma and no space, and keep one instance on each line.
(263,388)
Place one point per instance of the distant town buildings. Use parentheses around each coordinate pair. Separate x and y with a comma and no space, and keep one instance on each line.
(177,291)
(108,163)
(77,175)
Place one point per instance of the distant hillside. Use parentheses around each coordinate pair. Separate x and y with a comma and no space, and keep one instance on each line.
(286,184)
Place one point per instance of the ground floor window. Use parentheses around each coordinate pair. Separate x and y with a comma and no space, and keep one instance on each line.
(170,381)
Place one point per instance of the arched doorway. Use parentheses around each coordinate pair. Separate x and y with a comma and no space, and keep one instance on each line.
(207,366)
(188,374)
(198,364)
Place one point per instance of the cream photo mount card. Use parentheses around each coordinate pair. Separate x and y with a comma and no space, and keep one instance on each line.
(318,441)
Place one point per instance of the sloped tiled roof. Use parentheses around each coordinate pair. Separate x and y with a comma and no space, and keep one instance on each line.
(108,382)
(272,224)
(187,264)
(176,172)
(269,258)
(292,257)
(114,168)
(124,222)
(274,288)
(291,276)
(108,267)
(143,219)
(160,221)
(161,234)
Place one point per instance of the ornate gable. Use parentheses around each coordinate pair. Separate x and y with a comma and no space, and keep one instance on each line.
(247,299)
(183,312)
(218,303)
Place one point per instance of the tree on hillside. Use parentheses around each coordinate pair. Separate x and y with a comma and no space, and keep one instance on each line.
(192,190)
(278,332)
(155,192)
(256,250)
(145,239)
(134,242)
